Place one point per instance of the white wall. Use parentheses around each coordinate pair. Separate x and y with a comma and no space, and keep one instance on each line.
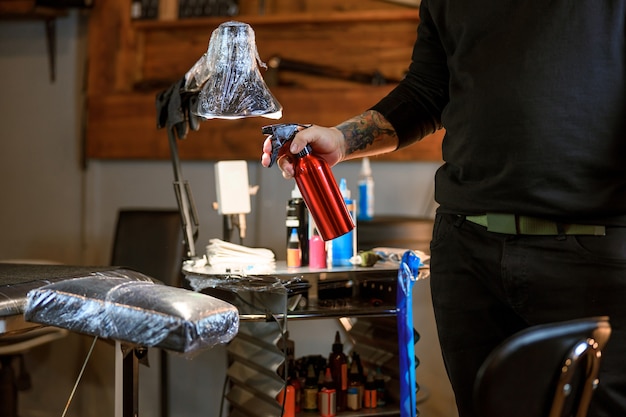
(55,208)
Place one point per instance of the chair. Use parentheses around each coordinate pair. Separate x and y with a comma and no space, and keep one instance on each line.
(151,242)
(548,370)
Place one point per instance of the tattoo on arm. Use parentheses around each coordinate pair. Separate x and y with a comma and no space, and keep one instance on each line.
(368,131)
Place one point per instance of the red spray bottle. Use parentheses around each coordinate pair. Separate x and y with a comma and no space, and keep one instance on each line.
(315,181)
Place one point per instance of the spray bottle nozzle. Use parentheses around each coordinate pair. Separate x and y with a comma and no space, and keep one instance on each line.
(281,134)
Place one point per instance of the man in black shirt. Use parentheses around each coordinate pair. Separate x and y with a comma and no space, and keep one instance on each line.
(531,224)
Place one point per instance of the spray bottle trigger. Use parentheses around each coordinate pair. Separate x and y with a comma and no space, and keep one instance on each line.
(280,134)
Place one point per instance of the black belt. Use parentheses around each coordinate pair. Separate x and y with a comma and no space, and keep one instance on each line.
(514,224)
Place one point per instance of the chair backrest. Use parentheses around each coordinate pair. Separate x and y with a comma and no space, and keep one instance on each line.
(150,241)
(548,370)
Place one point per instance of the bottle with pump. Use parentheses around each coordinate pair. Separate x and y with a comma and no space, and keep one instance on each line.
(294,252)
(315,181)
(365,208)
(297,217)
(344,247)
(338,365)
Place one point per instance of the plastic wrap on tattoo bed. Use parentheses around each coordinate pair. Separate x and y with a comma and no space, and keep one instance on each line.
(140,313)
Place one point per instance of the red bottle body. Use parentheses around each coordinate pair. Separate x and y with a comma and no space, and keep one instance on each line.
(321,194)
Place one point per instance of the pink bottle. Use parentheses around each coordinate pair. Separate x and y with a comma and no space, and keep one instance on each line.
(317,251)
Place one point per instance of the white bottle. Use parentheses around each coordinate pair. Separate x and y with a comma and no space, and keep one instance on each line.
(365,208)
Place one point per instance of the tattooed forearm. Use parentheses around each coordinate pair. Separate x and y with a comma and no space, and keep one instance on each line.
(368,134)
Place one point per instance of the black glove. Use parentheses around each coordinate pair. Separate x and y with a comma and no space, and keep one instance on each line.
(173,107)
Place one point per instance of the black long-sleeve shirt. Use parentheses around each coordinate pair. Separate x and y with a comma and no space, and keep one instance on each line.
(532,95)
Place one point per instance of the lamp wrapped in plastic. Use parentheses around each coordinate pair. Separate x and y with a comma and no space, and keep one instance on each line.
(228,76)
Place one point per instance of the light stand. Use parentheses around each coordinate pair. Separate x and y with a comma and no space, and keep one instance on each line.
(184,198)
(224,83)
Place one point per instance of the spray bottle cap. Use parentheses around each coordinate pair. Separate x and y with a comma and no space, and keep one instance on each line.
(366,169)
(343,187)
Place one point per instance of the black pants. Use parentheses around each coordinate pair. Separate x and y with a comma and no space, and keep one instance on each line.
(487,286)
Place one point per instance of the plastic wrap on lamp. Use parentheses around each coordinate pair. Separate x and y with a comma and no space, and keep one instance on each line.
(233,87)
(141,313)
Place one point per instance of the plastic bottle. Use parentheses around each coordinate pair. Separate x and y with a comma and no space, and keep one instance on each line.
(287,399)
(315,181)
(370,400)
(361,375)
(338,365)
(381,390)
(365,208)
(294,381)
(344,247)
(327,396)
(297,217)
(310,390)
(355,382)
(317,251)
(294,252)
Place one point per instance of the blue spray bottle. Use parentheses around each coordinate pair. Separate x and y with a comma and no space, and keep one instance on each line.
(344,247)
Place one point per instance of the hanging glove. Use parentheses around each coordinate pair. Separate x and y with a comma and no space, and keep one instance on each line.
(173,108)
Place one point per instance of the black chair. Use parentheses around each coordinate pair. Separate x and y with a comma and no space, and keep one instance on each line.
(151,242)
(548,370)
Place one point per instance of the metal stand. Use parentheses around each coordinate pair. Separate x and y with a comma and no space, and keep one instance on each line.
(188,214)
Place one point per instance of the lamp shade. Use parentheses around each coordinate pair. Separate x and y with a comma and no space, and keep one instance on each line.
(228,77)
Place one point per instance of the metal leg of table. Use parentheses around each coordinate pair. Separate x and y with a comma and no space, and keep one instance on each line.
(127,380)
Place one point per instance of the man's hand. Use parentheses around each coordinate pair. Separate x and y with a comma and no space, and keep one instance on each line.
(326,142)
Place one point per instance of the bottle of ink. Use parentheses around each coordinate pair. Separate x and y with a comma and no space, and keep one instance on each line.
(310,390)
(381,390)
(317,251)
(297,217)
(369,400)
(338,365)
(365,209)
(287,399)
(358,374)
(355,388)
(344,247)
(327,396)
(294,381)
(294,252)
